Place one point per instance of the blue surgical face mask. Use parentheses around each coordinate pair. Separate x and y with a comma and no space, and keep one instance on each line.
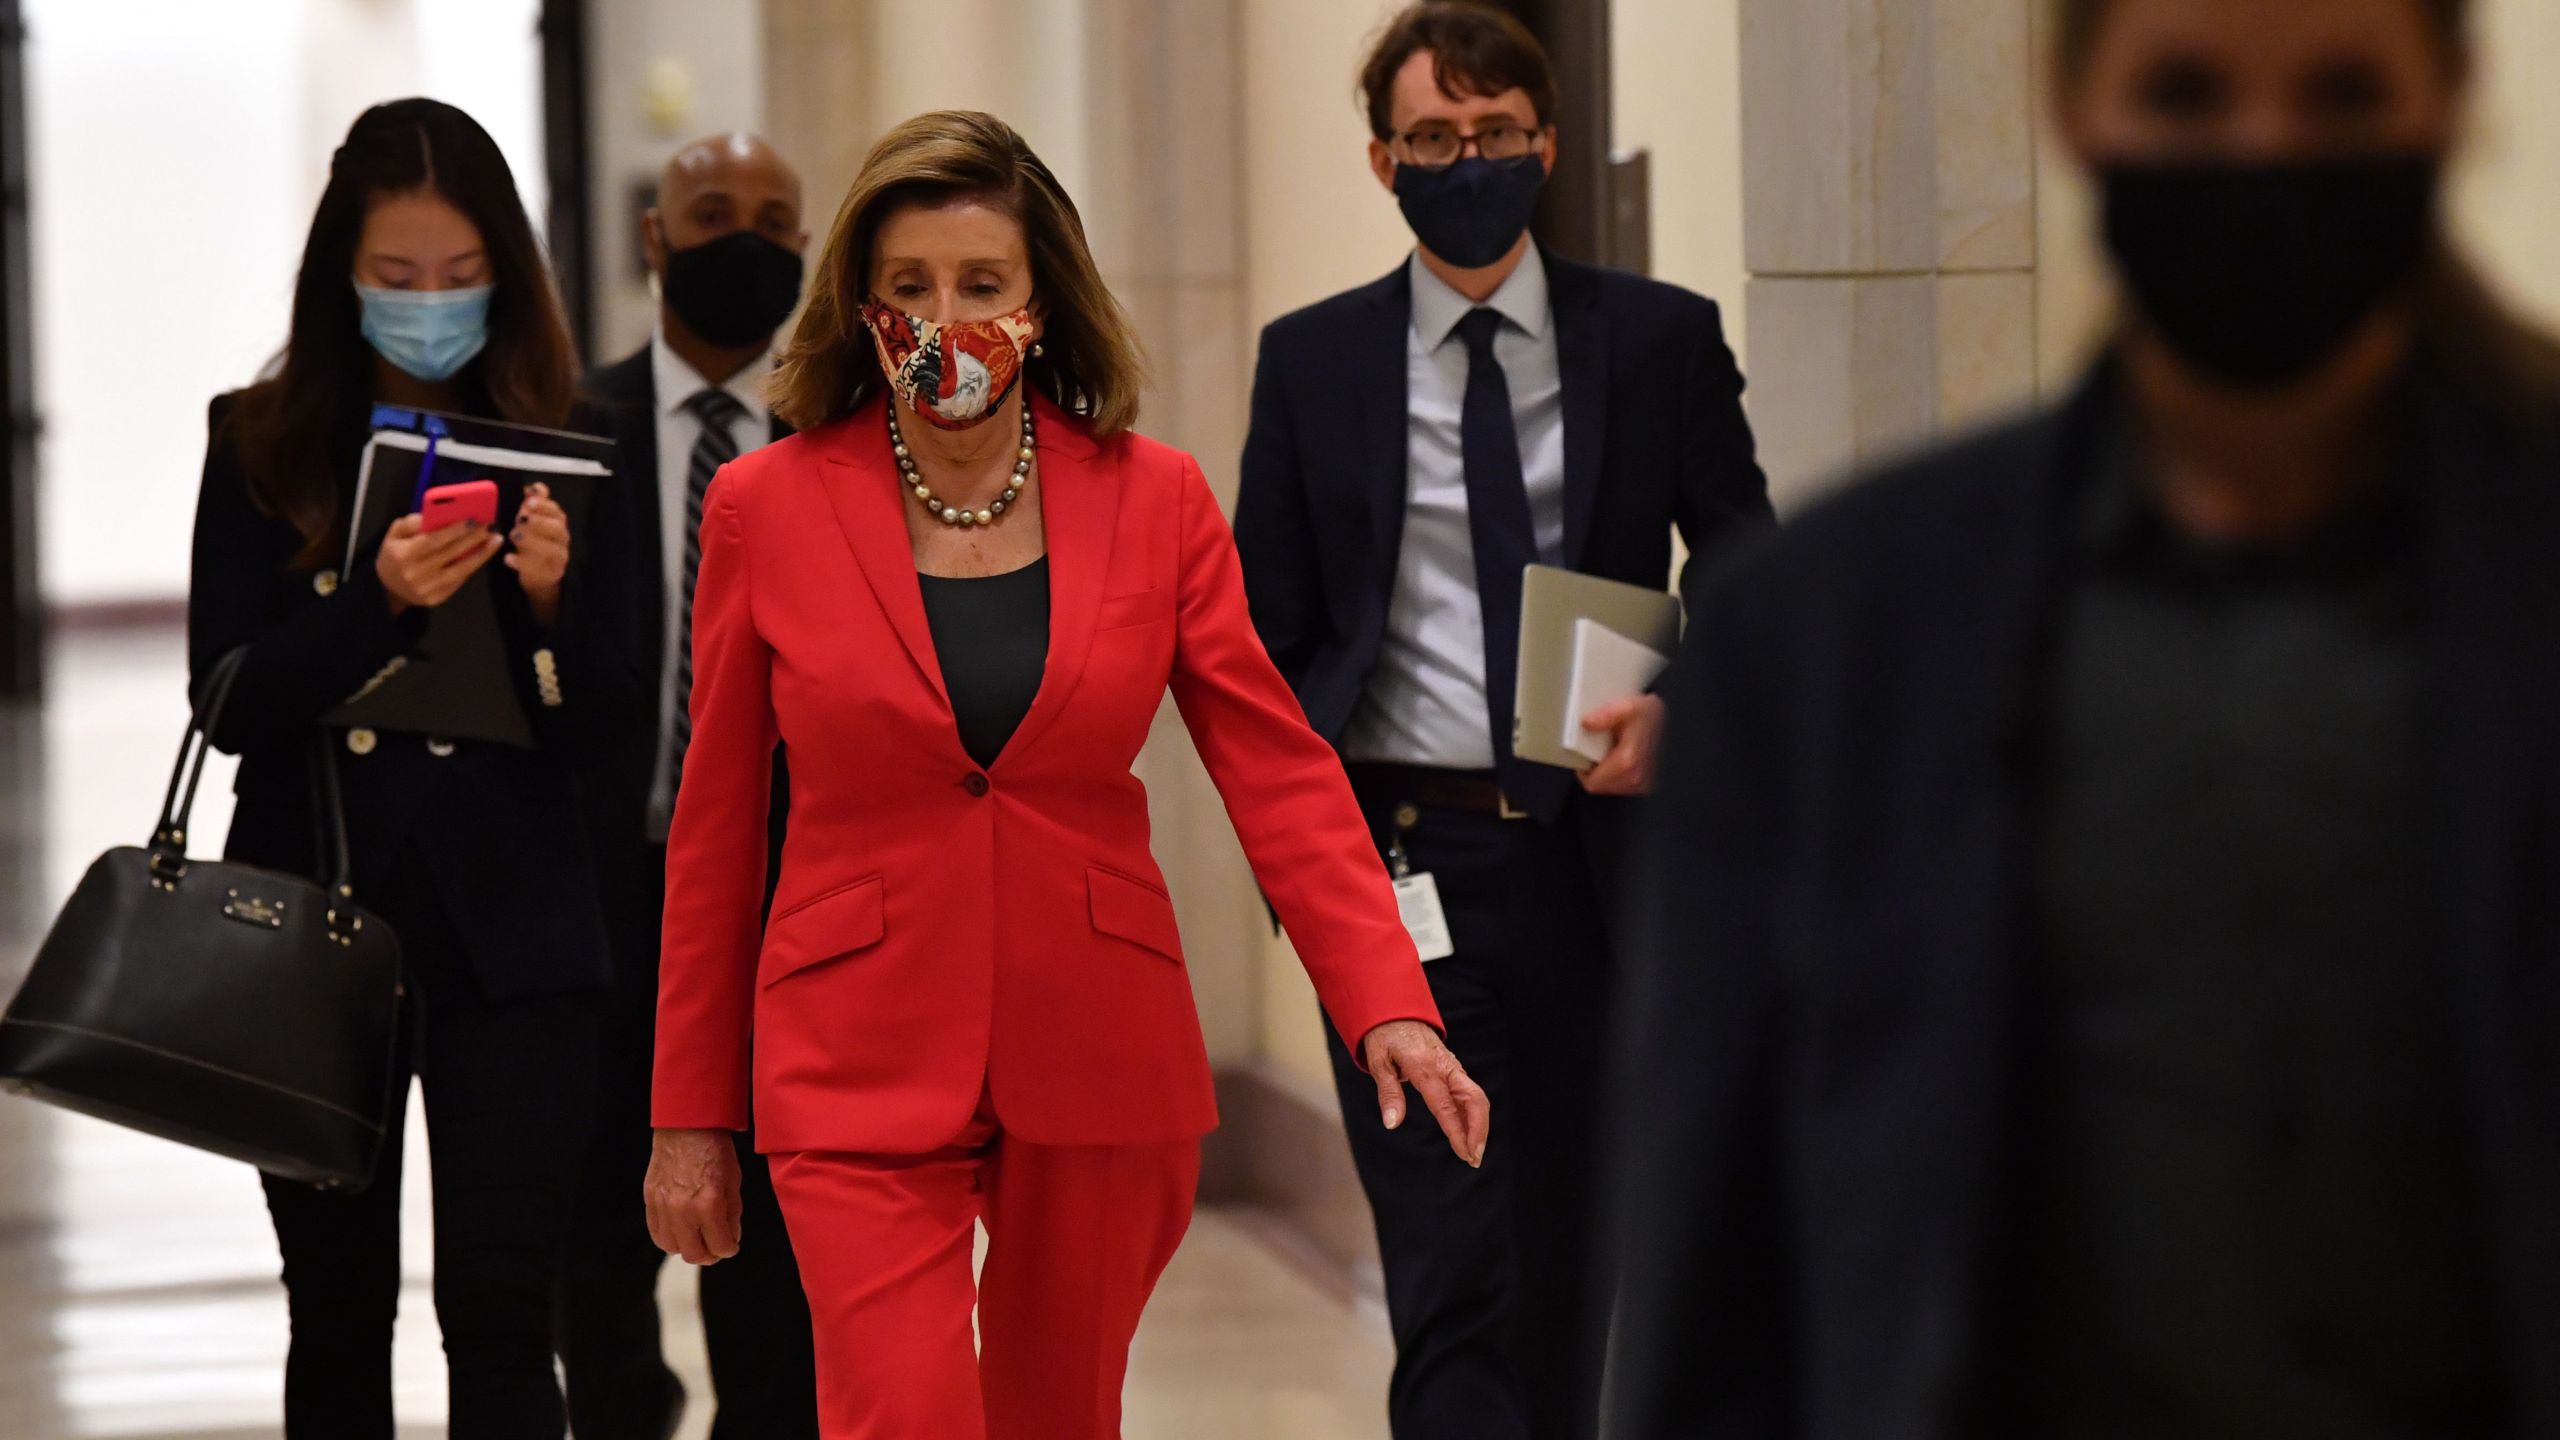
(431,334)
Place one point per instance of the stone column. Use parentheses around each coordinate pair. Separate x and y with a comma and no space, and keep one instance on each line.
(1890,224)
(817,96)
(1163,207)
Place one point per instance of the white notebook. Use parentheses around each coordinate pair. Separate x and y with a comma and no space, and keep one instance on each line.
(1607,668)
(1549,703)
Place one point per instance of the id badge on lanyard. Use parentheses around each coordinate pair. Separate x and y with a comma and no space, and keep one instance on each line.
(1418,896)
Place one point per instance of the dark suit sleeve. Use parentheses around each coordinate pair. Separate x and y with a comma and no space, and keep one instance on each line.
(1275,535)
(581,677)
(1722,492)
(305,656)
(1700,1340)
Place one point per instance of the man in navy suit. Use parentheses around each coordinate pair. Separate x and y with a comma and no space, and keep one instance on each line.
(724,241)
(1415,444)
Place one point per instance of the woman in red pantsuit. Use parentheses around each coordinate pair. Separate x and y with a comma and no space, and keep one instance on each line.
(957,598)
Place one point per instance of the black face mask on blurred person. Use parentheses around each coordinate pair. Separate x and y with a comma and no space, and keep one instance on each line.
(1470,213)
(2257,273)
(733,291)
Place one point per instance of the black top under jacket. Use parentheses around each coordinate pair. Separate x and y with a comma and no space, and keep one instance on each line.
(991,633)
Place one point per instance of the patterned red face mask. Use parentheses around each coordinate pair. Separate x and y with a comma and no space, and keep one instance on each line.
(953,374)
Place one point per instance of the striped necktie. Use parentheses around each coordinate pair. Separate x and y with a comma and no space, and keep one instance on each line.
(719,412)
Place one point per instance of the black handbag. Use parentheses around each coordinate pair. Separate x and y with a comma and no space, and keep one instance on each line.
(237,1010)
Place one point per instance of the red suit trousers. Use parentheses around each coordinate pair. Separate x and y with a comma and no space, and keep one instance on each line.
(1076,1239)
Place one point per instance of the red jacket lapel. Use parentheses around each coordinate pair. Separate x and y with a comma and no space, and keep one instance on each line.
(862,487)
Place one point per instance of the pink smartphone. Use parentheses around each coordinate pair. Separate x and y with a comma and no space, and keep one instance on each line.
(453,504)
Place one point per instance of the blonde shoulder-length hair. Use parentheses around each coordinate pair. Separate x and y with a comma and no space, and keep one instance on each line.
(1089,364)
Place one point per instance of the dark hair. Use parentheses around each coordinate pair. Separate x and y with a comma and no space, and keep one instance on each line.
(2461,316)
(1475,50)
(1089,362)
(291,424)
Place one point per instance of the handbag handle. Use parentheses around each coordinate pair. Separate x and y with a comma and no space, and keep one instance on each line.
(168,848)
(169,838)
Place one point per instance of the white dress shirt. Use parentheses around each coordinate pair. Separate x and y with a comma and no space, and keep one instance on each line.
(1426,702)
(677,382)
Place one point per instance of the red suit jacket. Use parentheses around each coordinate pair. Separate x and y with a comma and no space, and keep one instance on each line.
(943,932)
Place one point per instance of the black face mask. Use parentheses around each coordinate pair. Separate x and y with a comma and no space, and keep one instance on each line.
(2256,274)
(733,291)
(1471,213)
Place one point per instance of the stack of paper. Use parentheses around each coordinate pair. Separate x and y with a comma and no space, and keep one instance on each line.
(1607,668)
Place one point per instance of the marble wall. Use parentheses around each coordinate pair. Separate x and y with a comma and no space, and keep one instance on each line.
(1890,224)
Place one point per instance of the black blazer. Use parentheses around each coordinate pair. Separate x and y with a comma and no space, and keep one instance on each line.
(1824,1016)
(497,829)
(1654,436)
(621,779)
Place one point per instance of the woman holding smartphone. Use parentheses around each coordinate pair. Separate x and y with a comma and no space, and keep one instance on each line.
(422,285)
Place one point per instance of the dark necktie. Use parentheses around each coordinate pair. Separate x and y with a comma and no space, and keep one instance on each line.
(1506,543)
(719,412)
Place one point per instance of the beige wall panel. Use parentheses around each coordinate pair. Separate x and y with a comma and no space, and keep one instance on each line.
(2075,297)
(1315,220)
(1986,134)
(1023,62)
(1292,1023)
(817,96)
(1847,373)
(1986,346)
(1677,93)
(1213,896)
(2507,195)
(1837,125)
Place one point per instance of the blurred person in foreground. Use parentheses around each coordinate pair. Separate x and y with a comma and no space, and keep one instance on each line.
(422,285)
(724,242)
(959,597)
(2103,972)
(1416,444)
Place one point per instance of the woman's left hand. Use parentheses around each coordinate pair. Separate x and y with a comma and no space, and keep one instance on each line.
(540,553)
(1408,1052)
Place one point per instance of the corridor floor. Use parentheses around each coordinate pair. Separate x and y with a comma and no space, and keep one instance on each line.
(137,1289)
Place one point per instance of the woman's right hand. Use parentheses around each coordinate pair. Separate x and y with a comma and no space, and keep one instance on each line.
(692,1194)
(421,570)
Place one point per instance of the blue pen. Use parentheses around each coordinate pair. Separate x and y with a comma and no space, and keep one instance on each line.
(426,473)
(435,427)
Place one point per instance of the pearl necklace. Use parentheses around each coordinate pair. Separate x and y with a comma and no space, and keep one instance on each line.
(961,515)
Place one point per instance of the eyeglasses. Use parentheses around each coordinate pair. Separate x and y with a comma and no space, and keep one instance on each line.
(1437,147)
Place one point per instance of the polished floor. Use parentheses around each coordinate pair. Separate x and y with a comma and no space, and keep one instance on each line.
(137,1290)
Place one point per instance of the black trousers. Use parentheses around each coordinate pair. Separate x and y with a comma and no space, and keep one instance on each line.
(1496,1286)
(755,1319)
(509,1092)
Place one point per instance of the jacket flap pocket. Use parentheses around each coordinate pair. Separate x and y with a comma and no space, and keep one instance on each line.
(838,922)
(1134,911)
(1139,607)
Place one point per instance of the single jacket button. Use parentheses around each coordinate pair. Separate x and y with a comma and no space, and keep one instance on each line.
(326,583)
(439,747)
(361,742)
(976,784)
